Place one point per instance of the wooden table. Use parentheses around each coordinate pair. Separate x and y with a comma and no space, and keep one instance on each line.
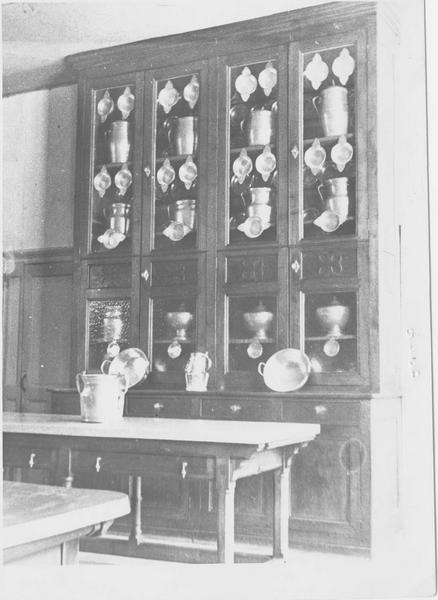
(42,524)
(238,449)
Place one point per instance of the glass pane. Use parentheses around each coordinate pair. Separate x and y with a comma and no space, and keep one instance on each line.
(329,169)
(174,338)
(331,331)
(109,323)
(253,107)
(176,137)
(112,171)
(251,331)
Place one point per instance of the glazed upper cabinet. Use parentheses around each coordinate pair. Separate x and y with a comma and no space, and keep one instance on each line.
(227,201)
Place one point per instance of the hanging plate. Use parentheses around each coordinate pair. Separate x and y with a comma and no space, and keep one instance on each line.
(165,175)
(125,103)
(343,66)
(168,97)
(242,166)
(315,156)
(268,78)
(102,181)
(265,163)
(191,92)
(341,153)
(246,84)
(123,179)
(316,71)
(188,172)
(105,106)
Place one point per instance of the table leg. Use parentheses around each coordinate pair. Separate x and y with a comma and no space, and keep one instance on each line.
(136,533)
(281,511)
(70,552)
(225,511)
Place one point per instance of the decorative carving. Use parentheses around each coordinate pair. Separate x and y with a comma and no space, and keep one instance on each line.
(175,273)
(251,269)
(330,264)
(110,276)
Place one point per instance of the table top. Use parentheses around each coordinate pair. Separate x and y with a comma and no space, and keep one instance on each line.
(33,512)
(262,435)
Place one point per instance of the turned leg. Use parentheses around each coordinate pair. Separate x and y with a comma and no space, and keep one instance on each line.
(136,533)
(225,511)
(281,510)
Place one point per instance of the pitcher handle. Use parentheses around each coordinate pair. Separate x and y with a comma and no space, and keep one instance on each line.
(242,126)
(321,185)
(314,100)
(167,126)
(79,383)
(104,367)
(261,368)
(209,362)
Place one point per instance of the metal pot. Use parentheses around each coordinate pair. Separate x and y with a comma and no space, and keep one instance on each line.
(112,325)
(259,127)
(332,107)
(183,134)
(258,321)
(180,321)
(286,370)
(102,397)
(333,317)
(118,217)
(119,141)
(184,211)
(260,195)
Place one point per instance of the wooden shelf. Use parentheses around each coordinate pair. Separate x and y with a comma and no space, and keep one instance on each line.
(251,341)
(110,165)
(257,148)
(325,338)
(328,139)
(181,157)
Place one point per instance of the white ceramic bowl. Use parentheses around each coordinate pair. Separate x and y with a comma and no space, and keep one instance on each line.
(286,370)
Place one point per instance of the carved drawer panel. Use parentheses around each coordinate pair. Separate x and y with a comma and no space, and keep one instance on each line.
(29,458)
(110,276)
(329,264)
(175,272)
(251,269)
(177,408)
(245,410)
(324,412)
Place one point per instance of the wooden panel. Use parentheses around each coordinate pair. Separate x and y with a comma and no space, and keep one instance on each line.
(245,410)
(251,269)
(29,458)
(110,275)
(175,272)
(336,413)
(163,407)
(47,330)
(12,307)
(333,263)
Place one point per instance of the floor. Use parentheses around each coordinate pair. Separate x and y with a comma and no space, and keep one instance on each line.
(305,575)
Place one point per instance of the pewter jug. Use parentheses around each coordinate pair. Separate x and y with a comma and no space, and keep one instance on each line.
(119,141)
(183,134)
(118,217)
(259,127)
(332,107)
(196,371)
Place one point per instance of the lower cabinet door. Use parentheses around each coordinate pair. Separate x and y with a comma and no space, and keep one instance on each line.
(330,491)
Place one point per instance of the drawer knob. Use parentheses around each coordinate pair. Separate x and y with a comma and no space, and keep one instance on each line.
(158,407)
(320,409)
(235,408)
(184,466)
(32,460)
(98,461)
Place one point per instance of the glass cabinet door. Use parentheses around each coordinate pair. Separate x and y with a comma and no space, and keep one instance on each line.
(113,197)
(251,194)
(328,141)
(171,305)
(175,201)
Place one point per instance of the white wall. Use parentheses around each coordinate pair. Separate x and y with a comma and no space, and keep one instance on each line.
(39,138)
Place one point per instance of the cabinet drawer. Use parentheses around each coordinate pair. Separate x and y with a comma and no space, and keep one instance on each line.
(336,413)
(178,408)
(143,465)
(246,410)
(29,458)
